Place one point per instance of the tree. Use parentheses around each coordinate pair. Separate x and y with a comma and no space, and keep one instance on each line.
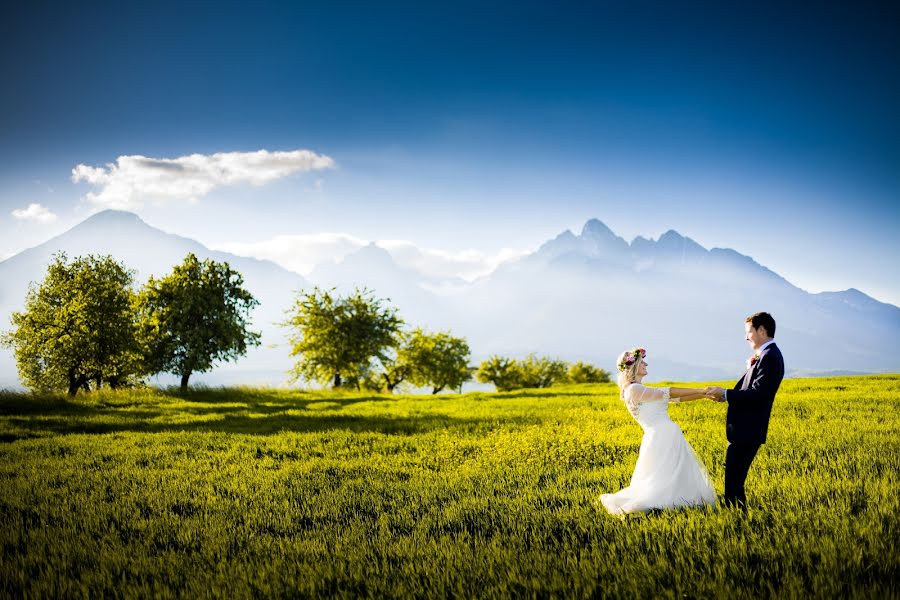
(502,372)
(532,372)
(436,359)
(78,327)
(580,372)
(337,338)
(195,316)
(541,372)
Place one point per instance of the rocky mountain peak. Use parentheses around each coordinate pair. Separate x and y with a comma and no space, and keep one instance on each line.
(595,228)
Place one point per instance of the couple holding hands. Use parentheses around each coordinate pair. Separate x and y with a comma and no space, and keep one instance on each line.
(668,474)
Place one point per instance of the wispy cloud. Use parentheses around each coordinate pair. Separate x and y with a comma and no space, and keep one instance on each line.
(466,264)
(299,253)
(36,213)
(133,180)
(302,253)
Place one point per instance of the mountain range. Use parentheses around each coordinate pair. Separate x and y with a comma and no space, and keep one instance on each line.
(584,296)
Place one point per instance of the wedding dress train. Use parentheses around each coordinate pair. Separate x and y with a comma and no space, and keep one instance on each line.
(668,474)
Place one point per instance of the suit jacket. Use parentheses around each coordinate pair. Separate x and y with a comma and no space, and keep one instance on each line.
(750,401)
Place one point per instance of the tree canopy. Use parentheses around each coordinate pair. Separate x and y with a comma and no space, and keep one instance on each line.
(337,338)
(501,371)
(536,372)
(581,372)
(77,327)
(195,316)
(438,360)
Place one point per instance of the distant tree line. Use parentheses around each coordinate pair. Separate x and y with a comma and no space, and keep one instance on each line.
(536,372)
(85,327)
(359,341)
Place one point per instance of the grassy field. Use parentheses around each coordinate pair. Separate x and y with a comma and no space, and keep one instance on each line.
(246,492)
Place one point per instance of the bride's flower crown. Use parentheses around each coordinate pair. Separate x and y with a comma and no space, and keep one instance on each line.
(630,358)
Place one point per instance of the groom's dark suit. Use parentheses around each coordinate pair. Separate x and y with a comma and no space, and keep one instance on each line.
(749,407)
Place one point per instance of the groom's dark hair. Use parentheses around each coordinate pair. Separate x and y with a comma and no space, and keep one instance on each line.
(763,319)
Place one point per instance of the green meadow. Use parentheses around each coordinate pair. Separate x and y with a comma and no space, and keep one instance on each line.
(268,493)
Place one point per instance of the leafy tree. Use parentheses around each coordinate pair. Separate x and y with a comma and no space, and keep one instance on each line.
(78,327)
(195,316)
(580,372)
(436,359)
(532,372)
(337,338)
(541,372)
(502,372)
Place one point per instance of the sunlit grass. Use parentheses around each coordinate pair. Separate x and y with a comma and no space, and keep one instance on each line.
(249,492)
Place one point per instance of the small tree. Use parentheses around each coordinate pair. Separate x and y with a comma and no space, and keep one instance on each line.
(395,372)
(532,372)
(503,372)
(436,359)
(541,372)
(580,372)
(78,327)
(195,316)
(337,338)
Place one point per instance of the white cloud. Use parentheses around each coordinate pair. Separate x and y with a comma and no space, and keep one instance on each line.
(132,180)
(301,254)
(35,212)
(466,264)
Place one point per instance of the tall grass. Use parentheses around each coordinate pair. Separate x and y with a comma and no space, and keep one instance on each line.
(255,492)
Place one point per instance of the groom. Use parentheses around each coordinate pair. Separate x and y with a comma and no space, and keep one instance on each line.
(750,405)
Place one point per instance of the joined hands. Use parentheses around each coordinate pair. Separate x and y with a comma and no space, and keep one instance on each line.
(715,393)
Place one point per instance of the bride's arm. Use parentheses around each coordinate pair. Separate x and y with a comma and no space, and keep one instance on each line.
(684,394)
(688,398)
(637,393)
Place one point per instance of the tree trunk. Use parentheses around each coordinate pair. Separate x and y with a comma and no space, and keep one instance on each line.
(337,380)
(76,383)
(184,381)
(437,389)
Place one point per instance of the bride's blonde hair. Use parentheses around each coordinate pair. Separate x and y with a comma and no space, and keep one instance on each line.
(628,364)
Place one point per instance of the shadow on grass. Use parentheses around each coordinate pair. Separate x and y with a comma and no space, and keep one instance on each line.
(225,411)
(544,393)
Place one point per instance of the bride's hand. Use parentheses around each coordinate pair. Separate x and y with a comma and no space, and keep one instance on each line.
(714,393)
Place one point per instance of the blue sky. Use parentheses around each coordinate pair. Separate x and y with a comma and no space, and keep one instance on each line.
(763,127)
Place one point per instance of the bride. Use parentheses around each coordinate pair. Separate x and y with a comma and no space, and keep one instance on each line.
(668,474)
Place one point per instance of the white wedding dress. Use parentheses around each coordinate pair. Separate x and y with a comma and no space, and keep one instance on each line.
(668,474)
